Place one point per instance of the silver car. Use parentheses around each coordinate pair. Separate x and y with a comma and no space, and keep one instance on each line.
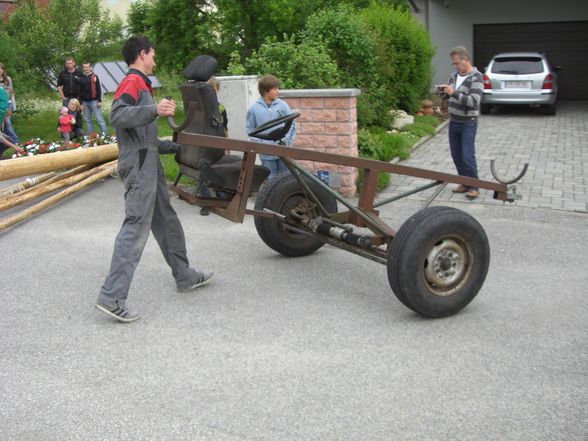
(520,78)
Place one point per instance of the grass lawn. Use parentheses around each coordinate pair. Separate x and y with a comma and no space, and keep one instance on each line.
(43,125)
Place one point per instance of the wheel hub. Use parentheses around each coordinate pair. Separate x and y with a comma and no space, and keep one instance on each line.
(446,266)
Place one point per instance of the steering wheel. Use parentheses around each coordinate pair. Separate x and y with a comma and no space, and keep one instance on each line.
(275,134)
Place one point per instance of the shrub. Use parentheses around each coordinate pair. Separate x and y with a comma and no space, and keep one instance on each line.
(428,119)
(419,129)
(297,65)
(353,48)
(404,51)
(376,143)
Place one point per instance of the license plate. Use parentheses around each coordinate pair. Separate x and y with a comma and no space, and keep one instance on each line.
(517,84)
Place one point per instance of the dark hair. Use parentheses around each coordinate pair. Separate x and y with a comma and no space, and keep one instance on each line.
(267,83)
(134,46)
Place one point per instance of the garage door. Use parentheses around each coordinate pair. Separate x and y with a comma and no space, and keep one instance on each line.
(564,43)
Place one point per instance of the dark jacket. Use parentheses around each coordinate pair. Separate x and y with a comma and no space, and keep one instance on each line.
(133,114)
(90,89)
(70,83)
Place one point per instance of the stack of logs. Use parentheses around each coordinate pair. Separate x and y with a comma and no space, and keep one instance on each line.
(68,172)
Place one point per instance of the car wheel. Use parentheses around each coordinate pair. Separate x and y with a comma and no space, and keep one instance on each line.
(550,109)
(485,109)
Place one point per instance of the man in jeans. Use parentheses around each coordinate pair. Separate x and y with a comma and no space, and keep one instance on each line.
(91,98)
(464,92)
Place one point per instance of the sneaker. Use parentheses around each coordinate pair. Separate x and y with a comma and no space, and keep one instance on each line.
(203,280)
(204,211)
(121,314)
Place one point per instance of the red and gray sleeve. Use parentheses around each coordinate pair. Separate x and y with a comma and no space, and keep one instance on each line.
(127,110)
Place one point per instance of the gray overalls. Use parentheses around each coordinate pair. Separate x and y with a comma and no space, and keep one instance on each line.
(147,204)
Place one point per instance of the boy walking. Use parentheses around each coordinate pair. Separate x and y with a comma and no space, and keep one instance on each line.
(266,108)
(147,204)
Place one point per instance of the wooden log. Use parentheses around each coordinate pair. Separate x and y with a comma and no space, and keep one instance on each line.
(19,198)
(32,165)
(27,183)
(25,214)
(59,176)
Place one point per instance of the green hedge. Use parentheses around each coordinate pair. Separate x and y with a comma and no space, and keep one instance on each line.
(380,49)
(404,51)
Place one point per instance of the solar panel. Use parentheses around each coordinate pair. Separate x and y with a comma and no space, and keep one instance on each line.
(108,83)
(111,73)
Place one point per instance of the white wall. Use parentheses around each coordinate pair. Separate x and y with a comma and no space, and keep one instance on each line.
(237,94)
(454,25)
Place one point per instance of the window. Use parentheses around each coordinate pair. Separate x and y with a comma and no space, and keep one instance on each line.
(517,65)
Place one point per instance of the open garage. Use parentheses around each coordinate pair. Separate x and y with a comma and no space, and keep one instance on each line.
(564,43)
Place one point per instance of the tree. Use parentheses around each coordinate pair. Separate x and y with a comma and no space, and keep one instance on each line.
(298,66)
(43,37)
(180,30)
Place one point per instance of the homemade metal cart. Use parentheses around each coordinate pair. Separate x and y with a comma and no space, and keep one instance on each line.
(438,259)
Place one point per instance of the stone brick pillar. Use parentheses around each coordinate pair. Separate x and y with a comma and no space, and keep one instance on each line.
(328,123)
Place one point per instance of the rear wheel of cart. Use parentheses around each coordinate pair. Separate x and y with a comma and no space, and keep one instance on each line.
(438,261)
(282,194)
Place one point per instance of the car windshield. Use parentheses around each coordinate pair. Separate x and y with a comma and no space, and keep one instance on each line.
(517,65)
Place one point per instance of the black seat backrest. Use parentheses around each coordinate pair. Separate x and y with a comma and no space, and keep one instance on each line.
(203,117)
(202,113)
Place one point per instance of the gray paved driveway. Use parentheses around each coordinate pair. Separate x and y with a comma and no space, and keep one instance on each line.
(315,348)
(556,148)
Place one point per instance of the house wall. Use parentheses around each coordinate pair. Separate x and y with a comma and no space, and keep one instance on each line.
(454,25)
(237,94)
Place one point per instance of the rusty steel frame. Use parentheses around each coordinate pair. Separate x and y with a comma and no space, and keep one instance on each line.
(364,214)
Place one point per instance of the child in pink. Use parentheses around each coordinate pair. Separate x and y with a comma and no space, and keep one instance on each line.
(65,124)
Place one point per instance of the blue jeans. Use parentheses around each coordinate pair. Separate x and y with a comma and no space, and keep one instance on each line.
(462,136)
(275,166)
(9,130)
(92,107)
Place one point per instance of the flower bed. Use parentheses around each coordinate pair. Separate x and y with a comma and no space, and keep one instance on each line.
(38,146)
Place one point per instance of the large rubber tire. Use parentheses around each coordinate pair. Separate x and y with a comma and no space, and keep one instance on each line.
(280,194)
(438,261)
(485,109)
(550,109)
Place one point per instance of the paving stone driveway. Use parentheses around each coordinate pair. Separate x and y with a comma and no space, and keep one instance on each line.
(556,148)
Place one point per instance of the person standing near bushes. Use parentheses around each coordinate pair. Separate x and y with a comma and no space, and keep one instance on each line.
(68,82)
(6,83)
(91,98)
(464,93)
(4,113)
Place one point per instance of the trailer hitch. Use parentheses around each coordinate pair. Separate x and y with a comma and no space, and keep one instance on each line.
(511,193)
(512,181)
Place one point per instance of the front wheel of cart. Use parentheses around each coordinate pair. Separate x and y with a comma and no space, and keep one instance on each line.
(438,261)
(283,194)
